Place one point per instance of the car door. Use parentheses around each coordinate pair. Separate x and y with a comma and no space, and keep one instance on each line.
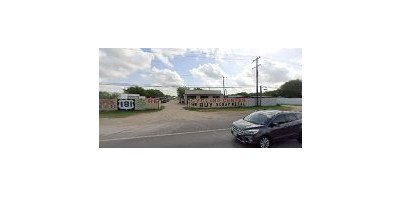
(292,124)
(279,127)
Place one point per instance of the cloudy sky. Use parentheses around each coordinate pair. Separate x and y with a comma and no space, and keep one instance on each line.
(174,67)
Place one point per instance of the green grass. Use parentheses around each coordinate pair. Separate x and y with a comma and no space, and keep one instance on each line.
(123,114)
(278,107)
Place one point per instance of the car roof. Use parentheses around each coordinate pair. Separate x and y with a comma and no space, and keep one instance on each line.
(270,112)
(276,112)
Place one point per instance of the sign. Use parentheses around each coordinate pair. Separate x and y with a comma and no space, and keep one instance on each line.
(152,103)
(107,104)
(217,102)
(126,104)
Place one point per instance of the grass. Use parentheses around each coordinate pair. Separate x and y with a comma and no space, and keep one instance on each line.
(123,114)
(278,107)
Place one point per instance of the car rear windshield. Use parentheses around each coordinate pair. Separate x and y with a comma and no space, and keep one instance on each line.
(257,118)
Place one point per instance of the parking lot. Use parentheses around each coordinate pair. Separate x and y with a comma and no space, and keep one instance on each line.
(175,127)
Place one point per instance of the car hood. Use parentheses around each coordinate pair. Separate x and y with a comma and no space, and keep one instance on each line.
(242,124)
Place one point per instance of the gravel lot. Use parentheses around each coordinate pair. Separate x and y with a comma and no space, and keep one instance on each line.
(173,119)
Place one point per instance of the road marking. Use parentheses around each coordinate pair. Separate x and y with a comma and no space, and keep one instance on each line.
(161,135)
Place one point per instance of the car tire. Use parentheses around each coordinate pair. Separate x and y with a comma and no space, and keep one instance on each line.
(299,138)
(264,142)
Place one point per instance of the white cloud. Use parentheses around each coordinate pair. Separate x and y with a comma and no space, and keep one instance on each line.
(166,55)
(209,74)
(163,77)
(271,74)
(236,64)
(120,63)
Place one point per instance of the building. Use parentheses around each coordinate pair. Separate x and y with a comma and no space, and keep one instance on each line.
(129,96)
(201,94)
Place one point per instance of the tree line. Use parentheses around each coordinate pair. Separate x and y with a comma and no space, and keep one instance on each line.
(150,93)
(290,89)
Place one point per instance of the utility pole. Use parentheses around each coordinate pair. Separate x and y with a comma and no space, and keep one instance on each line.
(223,84)
(257,76)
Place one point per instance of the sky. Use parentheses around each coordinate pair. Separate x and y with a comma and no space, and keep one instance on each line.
(197,67)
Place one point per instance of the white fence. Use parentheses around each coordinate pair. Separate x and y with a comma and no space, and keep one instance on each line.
(274,101)
(264,102)
(236,102)
(288,101)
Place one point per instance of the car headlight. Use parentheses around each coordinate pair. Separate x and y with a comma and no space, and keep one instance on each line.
(251,131)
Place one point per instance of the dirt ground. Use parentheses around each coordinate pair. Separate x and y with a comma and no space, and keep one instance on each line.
(172,119)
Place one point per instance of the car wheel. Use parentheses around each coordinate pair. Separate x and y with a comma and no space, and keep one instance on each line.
(264,142)
(299,138)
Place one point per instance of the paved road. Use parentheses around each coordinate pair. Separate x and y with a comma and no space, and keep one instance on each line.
(175,127)
(220,138)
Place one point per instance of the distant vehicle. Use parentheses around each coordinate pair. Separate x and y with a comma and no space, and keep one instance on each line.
(263,127)
(163,99)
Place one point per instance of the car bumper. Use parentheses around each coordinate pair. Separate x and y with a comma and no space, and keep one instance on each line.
(247,139)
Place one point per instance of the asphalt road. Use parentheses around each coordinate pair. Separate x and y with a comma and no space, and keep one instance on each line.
(175,127)
(221,138)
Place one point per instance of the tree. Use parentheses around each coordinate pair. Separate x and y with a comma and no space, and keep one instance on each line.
(244,94)
(107,95)
(135,90)
(154,93)
(273,93)
(291,89)
(142,92)
(197,89)
(181,91)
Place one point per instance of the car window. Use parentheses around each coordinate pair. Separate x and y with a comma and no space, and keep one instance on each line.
(257,118)
(291,117)
(298,115)
(280,119)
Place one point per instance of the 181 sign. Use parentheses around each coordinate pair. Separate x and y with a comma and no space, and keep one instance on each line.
(126,104)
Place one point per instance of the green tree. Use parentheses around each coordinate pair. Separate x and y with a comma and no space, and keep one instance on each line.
(197,89)
(273,93)
(107,95)
(291,89)
(181,91)
(244,94)
(154,93)
(142,92)
(135,90)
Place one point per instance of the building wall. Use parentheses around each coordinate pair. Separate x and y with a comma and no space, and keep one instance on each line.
(248,102)
(108,104)
(140,104)
(199,97)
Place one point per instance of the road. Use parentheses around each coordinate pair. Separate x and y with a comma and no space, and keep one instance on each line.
(175,127)
(220,138)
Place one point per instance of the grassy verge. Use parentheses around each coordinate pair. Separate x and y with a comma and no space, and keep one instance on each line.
(278,107)
(123,114)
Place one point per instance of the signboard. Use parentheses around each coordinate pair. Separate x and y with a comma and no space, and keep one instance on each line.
(107,104)
(217,102)
(129,96)
(126,104)
(152,103)
(129,104)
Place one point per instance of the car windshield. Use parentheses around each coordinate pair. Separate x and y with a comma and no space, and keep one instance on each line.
(257,118)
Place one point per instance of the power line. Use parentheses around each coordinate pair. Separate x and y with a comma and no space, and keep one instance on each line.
(167,86)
